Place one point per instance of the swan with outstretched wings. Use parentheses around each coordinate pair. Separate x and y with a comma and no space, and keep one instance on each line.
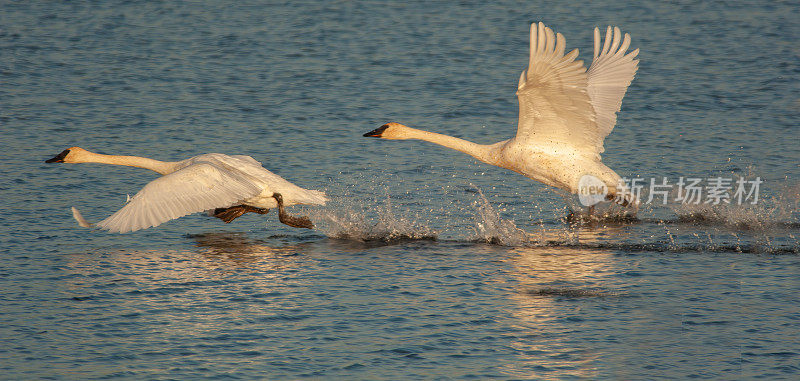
(225,186)
(565,113)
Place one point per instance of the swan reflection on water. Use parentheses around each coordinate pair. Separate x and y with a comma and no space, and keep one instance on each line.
(215,256)
(552,285)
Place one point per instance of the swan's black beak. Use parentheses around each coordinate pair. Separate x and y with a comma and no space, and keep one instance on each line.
(376,133)
(59,158)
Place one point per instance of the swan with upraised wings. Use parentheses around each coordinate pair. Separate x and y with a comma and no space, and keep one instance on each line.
(565,113)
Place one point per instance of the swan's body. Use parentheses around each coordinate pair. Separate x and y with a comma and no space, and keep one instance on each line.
(565,113)
(226,186)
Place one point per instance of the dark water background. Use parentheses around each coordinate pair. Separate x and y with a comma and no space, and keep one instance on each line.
(426,264)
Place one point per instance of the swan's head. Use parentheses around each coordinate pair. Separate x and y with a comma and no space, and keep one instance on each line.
(389,131)
(69,155)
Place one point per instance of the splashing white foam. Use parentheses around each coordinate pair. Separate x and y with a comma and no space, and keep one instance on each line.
(780,210)
(384,224)
(407,213)
(492,228)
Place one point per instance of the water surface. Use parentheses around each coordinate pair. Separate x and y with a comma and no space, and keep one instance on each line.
(426,264)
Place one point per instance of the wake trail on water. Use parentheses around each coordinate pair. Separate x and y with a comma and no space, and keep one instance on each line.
(770,226)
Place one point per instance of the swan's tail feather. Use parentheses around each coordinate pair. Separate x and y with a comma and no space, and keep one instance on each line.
(79,217)
(318,197)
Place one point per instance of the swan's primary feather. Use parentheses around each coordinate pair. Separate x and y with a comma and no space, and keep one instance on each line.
(609,76)
(560,104)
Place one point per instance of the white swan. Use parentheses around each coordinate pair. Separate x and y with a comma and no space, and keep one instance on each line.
(565,113)
(225,186)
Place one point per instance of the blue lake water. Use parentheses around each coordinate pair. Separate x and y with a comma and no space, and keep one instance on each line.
(426,264)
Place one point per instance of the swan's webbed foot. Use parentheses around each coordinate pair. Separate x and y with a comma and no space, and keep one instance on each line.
(231,213)
(583,218)
(293,221)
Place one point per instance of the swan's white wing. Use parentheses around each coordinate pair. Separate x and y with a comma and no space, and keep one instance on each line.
(250,168)
(198,187)
(244,158)
(609,77)
(554,107)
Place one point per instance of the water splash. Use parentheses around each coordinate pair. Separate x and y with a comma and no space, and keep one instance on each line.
(386,224)
(778,211)
(490,227)
(407,213)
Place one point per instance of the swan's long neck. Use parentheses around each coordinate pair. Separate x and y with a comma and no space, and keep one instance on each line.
(478,151)
(162,167)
